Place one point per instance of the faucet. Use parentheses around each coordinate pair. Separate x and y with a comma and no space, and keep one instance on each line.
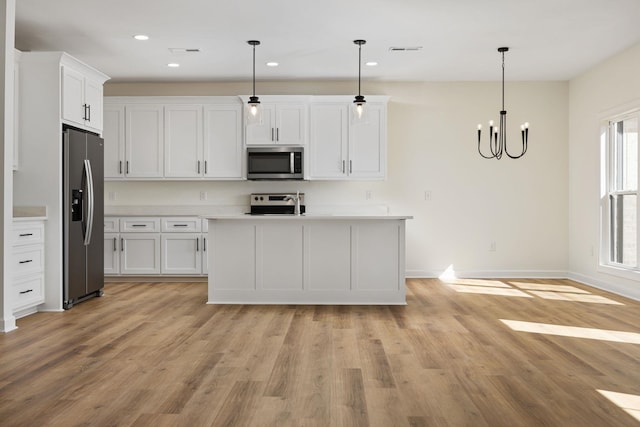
(296,200)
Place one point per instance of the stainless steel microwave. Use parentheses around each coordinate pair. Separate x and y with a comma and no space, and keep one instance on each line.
(275,163)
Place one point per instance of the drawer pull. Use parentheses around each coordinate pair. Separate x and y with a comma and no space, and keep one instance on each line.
(25,261)
(26,292)
(180,225)
(138,225)
(26,234)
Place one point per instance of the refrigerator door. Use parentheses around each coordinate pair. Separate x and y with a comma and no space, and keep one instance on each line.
(95,248)
(83,216)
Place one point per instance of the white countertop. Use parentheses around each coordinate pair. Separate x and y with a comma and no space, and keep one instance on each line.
(29,213)
(308,217)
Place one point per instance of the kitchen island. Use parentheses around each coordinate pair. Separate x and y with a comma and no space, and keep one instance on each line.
(307,259)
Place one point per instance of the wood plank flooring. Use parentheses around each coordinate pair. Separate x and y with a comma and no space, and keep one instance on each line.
(154,354)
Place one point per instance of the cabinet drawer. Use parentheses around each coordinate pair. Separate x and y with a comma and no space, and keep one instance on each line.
(111,225)
(27,233)
(140,225)
(28,260)
(28,292)
(181,224)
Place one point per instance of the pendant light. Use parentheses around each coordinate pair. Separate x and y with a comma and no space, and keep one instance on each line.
(254,110)
(359,114)
(498,134)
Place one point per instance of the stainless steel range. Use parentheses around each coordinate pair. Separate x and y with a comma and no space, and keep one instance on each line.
(277,204)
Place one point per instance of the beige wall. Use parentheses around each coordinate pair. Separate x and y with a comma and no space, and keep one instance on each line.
(521,205)
(609,88)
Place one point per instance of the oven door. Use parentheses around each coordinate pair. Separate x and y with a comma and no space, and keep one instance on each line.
(274,163)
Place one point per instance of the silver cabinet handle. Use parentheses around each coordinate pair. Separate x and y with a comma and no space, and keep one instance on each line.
(127,167)
(204,243)
(115,245)
(138,225)
(205,167)
(343,162)
(350,166)
(120,167)
(89,112)
(198,166)
(197,245)
(26,234)
(277,134)
(121,244)
(180,225)
(26,292)
(25,261)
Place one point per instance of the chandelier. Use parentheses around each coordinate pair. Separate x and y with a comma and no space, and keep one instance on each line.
(498,134)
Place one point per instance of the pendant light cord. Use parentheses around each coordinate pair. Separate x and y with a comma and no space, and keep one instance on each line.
(254,69)
(359,65)
(503,80)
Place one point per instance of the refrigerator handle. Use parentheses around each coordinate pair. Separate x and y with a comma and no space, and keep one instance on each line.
(90,207)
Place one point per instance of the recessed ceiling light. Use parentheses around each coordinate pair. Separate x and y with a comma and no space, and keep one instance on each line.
(173,65)
(371,64)
(272,64)
(141,37)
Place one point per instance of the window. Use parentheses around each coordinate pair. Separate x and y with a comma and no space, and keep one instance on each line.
(622,193)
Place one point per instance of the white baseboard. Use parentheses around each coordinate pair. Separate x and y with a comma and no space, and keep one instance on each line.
(609,286)
(489,274)
(8,324)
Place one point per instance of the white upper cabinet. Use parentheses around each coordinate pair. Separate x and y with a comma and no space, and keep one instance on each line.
(283,122)
(113,134)
(328,143)
(341,150)
(173,139)
(144,137)
(183,141)
(82,98)
(223,152)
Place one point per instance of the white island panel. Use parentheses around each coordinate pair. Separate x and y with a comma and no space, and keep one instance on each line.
(280,261)
(329,256)
(306,259)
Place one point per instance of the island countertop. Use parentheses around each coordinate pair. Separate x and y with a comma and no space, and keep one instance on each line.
(327,217)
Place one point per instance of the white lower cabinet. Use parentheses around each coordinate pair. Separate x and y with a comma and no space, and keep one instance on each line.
(153,246)
(27,290)
(140,253)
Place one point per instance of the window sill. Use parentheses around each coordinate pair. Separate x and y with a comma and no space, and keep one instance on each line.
(626,273)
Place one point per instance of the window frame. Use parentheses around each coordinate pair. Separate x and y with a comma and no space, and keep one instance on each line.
(608,177)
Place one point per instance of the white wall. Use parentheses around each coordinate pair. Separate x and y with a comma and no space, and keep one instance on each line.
(610,87)
(521,205)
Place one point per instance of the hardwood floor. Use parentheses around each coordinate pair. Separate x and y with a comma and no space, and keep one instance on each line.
(464,353)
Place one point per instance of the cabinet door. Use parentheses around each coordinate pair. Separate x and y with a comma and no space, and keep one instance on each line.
(181,253)
(140,253)
(290,124)
(73,96)
(111,253)
(328,141)
(144,141)
(223,141)
(113,135)
(93,100)
(183,141)
(367,145)
(205,256)
(263,133)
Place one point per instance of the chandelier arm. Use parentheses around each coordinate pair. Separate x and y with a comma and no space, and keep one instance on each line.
(480,152)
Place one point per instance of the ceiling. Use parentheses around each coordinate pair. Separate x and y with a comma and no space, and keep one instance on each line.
(313,39)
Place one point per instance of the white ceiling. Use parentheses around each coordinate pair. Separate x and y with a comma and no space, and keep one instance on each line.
(313,39)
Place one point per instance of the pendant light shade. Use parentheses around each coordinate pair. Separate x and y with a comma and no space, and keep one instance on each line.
(359,111)
(254,110)
(498,134)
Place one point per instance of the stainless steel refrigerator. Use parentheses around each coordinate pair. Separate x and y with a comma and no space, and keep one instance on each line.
(83,215)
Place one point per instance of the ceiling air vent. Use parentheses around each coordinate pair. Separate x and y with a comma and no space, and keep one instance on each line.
(405,48)
(183,50)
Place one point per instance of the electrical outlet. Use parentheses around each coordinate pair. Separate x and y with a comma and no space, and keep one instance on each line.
(112,195)
(368,195)
(427,195)
(492,247)
(203,195)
